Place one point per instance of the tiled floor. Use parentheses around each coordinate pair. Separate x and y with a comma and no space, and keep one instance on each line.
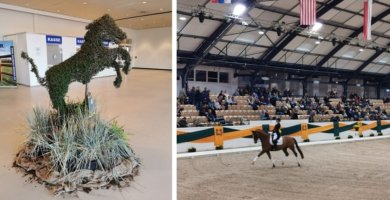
(142,105)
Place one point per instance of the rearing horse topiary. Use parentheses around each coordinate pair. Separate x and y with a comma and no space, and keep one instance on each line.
(92,58)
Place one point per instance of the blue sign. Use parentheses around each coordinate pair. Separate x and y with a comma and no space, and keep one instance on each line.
(80,41)
(53,39)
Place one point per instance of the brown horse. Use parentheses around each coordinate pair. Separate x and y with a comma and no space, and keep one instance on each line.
(266,146)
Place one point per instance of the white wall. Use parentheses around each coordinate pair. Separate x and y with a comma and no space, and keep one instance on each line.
(153,48)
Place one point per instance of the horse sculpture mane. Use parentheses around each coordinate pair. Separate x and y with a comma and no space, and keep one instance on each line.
(92,58)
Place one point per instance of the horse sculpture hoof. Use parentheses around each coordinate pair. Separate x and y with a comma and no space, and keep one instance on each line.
(273,166)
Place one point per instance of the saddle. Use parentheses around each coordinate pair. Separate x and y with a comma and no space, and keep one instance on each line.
(273,136)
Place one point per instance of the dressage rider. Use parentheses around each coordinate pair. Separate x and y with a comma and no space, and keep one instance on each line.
(276,131)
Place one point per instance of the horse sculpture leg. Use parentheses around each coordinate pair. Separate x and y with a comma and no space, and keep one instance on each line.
(255,158)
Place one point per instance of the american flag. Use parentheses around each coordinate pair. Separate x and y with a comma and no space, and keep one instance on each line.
(221,1)
(367,20)
(308,12)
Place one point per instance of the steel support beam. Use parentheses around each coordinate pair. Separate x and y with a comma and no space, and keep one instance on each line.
(352,35)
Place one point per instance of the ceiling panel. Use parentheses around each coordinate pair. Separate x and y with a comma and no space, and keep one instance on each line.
(352,65)
(330,14)
(264,40)
(189,44)
(342,17)
(385,70)
(355,6)
(118,9)
(345,3)
(377,9)
(323,48)
(280,56)
(308,59)
(295,43)
(206,28)
(364,55)
(220,46)
(355,21)
(294,57)
(286,5)
(235,49)
(343,32)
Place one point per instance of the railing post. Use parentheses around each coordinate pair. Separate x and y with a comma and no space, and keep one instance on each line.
(304,134)
(359,123)
(379,126)
(218,136)
(336,129)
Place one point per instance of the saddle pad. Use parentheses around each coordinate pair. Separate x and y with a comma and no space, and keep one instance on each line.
(280,141)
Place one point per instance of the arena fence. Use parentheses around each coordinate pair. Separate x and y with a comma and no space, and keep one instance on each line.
(218,137)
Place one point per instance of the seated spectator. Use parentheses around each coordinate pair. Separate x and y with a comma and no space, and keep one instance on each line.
(264,115)
(182,123)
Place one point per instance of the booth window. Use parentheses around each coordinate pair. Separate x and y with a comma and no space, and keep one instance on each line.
(190,75)
(200,76)
(212,76)
(223,77)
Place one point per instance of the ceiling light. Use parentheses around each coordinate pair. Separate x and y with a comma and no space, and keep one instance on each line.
(201,16)
(142,18)
(108,10)
(316,26)
(244,23)
(144,2)
(85,3)
(387,90)
(361,49)
(182,18)
(317,42)
(261,32)
(161,9)
(239,9)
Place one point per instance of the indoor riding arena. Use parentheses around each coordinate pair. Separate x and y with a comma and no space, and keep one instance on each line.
(313,72)
(353,170)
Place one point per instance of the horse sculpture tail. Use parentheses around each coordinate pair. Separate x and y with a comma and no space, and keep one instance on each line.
(299,149)
(34,68)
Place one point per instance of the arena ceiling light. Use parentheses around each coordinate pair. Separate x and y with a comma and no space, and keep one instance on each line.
(239,9)
(317,41)
(361,49)
(261,32)
(317,26)
(182,18)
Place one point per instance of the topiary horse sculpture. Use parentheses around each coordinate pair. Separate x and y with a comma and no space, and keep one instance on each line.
(92,58)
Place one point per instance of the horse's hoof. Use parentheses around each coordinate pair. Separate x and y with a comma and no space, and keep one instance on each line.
(299,165)
(282,163)
(273,166)
(252,163)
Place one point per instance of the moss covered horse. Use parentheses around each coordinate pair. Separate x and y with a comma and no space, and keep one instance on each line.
(92,58)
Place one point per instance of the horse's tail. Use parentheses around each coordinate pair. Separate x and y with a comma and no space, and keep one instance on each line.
(34,68)
(299,149)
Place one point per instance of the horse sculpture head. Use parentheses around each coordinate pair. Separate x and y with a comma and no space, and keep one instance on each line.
(105,28)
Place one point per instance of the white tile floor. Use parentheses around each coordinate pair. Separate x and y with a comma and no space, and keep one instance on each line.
(142,105)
